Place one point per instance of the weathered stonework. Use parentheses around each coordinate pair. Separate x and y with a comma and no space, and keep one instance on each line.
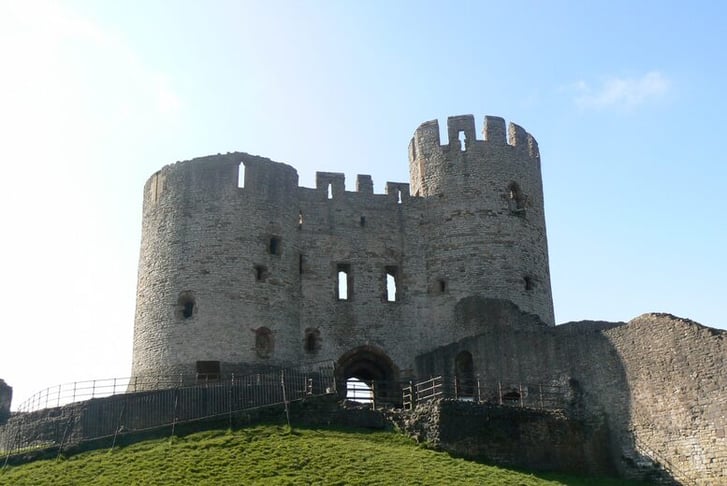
(6,398)
(247,276)
(238,279)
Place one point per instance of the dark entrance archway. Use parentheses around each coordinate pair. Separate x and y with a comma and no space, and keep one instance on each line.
(371,365)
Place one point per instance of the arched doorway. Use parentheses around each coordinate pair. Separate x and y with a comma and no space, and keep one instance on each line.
(373,366)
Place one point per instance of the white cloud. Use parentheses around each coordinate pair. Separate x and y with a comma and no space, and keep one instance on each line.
(622,92)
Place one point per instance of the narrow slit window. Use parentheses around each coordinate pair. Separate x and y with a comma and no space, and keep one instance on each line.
(442,286)
(241,176)
(274,245)
(343,284)
(398,195)
(391,284)
(260,273)
(362,221)
(330,191)
(300,219)
(300,264)
(188,309)
(529,282)
(462,140)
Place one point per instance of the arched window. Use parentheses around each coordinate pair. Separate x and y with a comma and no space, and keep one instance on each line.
(464,375)
(516,199)
(186,307)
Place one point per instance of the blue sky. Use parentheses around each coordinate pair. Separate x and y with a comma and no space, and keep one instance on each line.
(626,100)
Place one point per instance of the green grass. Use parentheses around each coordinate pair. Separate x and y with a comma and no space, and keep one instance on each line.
(274,455)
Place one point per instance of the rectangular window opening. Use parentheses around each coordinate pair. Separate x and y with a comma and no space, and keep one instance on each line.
(260,273)
(330,191)
(442,286)
(274,246)
(241,176)
(208,371)
(300,264)
(362,221)
(343,287)
(391,284)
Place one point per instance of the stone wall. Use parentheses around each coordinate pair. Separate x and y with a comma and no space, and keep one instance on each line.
(658,382)
(247,276)
(514,437)
(6,398)
(677,384)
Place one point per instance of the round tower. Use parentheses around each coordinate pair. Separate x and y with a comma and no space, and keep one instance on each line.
(485,221)
(218,284)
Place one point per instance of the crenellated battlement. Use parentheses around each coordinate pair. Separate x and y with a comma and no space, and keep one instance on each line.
(461,136)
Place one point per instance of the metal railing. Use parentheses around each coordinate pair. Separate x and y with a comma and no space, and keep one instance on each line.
(120,408)
(538,396)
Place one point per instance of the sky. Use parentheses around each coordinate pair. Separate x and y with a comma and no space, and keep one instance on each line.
(626,100)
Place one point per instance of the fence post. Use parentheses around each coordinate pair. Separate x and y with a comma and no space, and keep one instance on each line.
(499,390)
(373,394)
(479,392)
(58,402)
(520,387)
(542,406)
(285,402)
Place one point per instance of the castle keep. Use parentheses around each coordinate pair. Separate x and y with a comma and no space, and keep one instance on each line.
(242,275)
(444,276)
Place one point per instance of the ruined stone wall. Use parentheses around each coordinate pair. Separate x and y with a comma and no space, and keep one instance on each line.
(247,276)
(511,436)
(658,382)
(677,384)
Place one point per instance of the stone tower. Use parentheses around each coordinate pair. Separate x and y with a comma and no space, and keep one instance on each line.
(239,275)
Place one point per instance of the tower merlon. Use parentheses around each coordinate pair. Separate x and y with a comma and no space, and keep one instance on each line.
(398,190)
(462,124)
(335,180)
(364,184)
(522,140)
(493,130)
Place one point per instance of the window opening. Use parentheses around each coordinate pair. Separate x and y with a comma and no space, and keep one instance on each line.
(330,191)
(398,195)
(260,273)
(516,198)
(186,305)
(362,221)
(391,281)
(274,246)
(343,286)
(241,175)
(312,341)
(300,219)
(208,371)
(462,139)
(442,286)
(188,309)
(529,283)
(300,264)
(359,391)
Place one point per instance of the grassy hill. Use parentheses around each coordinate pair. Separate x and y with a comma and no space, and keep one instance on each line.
(274,455)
